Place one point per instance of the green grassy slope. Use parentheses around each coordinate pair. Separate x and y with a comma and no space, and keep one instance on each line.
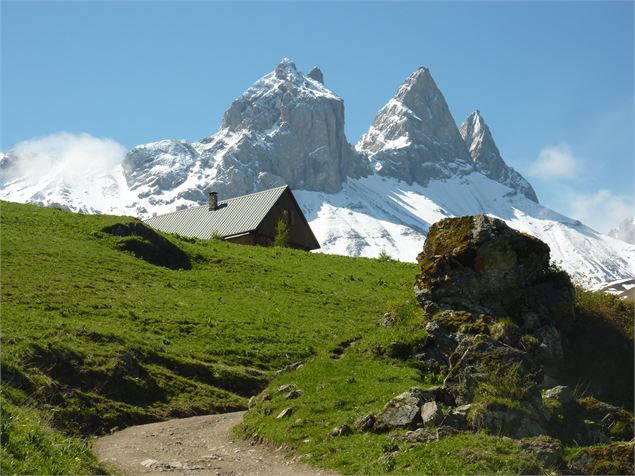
(101,338)
(30,446)
(96,336)
(337,388)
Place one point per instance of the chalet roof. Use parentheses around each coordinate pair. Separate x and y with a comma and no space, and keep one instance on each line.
(233,216)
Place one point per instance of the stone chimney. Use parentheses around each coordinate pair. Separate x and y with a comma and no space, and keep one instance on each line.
(212,200)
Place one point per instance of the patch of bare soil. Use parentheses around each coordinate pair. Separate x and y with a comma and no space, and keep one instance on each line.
(203,445)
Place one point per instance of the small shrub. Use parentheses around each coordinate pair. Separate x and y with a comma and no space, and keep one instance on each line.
(282,234)
(384,257)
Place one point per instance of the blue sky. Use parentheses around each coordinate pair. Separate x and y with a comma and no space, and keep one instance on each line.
(553,80)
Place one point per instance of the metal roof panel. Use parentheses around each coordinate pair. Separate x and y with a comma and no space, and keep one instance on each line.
(231,217)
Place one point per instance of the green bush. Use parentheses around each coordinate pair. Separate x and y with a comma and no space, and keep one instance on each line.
(282,234)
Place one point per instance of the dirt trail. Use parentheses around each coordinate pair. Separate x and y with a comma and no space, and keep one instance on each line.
(195,446)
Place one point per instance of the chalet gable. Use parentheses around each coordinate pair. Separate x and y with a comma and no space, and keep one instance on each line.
(248,219)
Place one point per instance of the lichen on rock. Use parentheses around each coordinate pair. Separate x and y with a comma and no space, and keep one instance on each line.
(478,263)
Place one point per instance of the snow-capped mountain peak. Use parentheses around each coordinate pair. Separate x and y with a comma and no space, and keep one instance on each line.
(487,158)
(419,92)
(287,128)
(414,137)
(412,168)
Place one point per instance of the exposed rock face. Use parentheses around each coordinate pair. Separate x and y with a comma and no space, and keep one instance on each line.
(561,393)
(403,410)
(316,73)
(287,128)
(548,450)
(414,137)
(496,314)
(480,264)
(158,166)
(431,414)
(294,127)
(487,158)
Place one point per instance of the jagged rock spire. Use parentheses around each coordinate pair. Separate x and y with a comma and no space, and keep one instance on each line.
(487,158)
(414,136)
(316,73)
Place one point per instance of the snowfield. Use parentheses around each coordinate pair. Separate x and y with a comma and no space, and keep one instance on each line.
(380,213)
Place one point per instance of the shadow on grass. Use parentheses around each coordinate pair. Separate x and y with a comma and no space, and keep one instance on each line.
(146,244)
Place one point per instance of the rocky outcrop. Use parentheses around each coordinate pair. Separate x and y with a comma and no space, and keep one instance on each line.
(158,166)
(414,137)
(548,450)
(403,410)
(487,158)
(293,127)
(496,314)
(616,458)
(480,264)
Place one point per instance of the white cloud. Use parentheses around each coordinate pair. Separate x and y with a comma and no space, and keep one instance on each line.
(556,162)
(601,210)
(64,156)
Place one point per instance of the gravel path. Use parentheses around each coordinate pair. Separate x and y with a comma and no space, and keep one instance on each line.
(201,445)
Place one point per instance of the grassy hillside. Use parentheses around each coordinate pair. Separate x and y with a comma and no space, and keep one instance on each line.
(98,336)
(106,324)
(353,379)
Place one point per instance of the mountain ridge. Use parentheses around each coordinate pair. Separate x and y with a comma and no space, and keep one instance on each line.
(406,172)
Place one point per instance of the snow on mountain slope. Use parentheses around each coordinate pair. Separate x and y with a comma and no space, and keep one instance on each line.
(412,168)
(79,172)
(487,158)
(379,213)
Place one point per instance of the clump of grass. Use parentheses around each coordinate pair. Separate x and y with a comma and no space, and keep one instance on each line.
(505,382)
(613,311)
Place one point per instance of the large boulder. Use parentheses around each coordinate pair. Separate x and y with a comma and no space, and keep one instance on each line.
(481,264)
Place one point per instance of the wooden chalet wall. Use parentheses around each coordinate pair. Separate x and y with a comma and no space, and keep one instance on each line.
(300,234)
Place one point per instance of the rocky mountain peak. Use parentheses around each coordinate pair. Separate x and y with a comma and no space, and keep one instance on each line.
(417,88)
(270,99)
(414,136)
(316,73)
(285,68)
(474,126)
(286,128)
(475,131)
(486,156)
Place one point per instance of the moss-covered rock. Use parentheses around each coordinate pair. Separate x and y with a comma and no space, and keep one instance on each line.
(616,458)
(546,449)
(480,264)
